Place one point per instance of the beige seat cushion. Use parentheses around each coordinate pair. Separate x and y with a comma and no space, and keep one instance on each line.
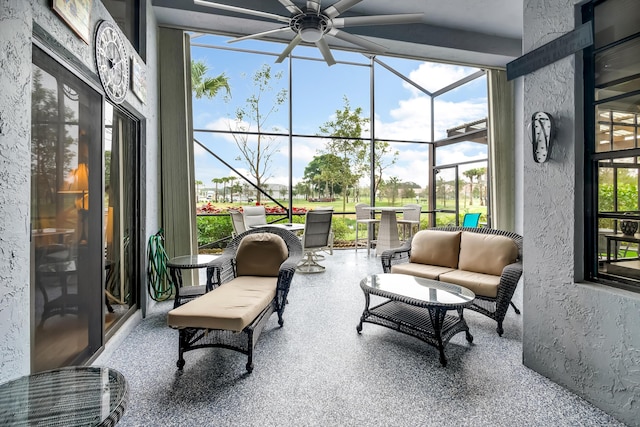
(261,254)
(481,284)
(420,270)
(436,247)
(231,306)
(486,253)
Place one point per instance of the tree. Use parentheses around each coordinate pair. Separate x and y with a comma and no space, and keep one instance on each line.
(283,192)
(380,163)
(216,181)
(198,184)
(234,187)
(345,133)
(471,174)
(259,151)
(392,189)
(302,188)
(47,143)
(324,173)
(441,188)
(201,85)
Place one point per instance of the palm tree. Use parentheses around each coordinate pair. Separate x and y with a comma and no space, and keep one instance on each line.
(201,85)
(198,184)
(216,181)
(233,187)
(224,180)
(471,174)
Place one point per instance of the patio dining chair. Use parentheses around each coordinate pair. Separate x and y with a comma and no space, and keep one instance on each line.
(363,216)
(237,221)
(410,219)
(316,237)
(471,220)
(254,215)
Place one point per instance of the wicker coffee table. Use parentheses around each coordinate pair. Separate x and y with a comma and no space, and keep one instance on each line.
(417,307)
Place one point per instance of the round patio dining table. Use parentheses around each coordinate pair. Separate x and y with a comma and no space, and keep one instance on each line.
(388,231)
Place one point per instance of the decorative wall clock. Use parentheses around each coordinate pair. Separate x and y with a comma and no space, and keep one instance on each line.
(112,61)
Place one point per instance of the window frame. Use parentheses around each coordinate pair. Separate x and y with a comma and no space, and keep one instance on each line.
(594,266)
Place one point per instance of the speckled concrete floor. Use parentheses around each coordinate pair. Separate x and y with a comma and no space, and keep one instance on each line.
(317,370)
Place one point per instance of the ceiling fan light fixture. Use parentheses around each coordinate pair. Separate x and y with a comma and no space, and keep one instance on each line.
(311,34)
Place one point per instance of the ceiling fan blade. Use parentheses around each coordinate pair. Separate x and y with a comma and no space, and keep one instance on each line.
(340,6)
(326,53)
(313,5)
(296,40)
(242,10)
(291,7)
(356,21)
(357,40)
(258,35)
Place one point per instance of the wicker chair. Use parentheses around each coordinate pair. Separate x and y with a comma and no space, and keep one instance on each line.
(224,270)
(495,308)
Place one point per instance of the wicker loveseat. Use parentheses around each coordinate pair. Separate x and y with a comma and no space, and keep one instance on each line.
(250,281)
(487,261)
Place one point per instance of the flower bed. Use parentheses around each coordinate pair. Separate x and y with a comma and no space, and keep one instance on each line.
(208,208)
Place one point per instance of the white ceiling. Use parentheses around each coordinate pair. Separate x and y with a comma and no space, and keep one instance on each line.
(476,32)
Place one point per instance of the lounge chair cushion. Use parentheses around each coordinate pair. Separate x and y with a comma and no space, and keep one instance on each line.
(436,247)
(420,270)
(261,254)
(486,253)
(231,306)
(481,284)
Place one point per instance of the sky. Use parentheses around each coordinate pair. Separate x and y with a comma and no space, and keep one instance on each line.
(402,110)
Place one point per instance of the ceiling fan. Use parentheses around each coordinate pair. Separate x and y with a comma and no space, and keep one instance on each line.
(312,24)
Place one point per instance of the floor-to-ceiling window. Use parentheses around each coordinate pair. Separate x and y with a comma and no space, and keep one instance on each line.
(309,135)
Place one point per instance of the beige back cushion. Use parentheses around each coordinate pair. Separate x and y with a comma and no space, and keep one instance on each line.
(436,247)
(486,253)
(260,254)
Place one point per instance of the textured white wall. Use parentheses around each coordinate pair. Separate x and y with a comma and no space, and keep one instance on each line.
(16,17)
(15,174)
(583,336)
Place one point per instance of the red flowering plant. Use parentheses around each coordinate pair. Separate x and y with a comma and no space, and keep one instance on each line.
(280,210)
(208,208)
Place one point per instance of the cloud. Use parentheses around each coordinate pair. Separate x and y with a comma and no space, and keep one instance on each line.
(434,76)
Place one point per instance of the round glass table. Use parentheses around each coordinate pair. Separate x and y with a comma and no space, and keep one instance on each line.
(71,396)
(189,262)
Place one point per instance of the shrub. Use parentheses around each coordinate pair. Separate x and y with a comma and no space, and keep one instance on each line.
(213,228)
(341,230)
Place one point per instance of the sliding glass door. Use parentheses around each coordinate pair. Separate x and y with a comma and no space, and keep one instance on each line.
(66,220)
(85,222)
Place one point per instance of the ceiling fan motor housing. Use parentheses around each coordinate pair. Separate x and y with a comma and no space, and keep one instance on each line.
(311,27)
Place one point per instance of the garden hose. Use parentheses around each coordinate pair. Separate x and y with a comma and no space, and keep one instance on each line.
(160,286)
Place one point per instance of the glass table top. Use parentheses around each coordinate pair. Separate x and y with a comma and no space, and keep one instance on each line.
(419,289)
(191,261)
(71,396)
